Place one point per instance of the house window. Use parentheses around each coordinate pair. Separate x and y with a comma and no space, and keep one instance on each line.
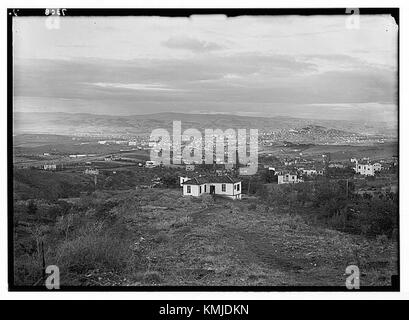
(188,189)
(223,187)
(238,187)
(205,188)
(200,189)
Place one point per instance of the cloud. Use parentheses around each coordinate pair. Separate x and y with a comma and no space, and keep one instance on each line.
(209,80)
(256,64)
(191,44)
(134,86)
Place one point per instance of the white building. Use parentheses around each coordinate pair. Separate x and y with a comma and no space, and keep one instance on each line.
(377,167)
(364,169)
(309,172)
(288,178)
(151,164)
(51,167)
(77,155)
(183,180)
(219,185)
(91,171)
(336,165)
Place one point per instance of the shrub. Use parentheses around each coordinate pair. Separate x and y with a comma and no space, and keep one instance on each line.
(164,225)
(162,237)
(207,200)
(182,221)
(234,209)
(93,249)
(27,270)
(379,217)
(152,277)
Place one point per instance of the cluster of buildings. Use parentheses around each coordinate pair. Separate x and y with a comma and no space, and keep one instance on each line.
(314,134)
(365,167)
(298,169)
(138,143)
(76,156)
(50,167)
(90,171)
(288,178)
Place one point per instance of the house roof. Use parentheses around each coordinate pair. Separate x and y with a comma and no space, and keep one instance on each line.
(188,174)
(283,173)
(211,179)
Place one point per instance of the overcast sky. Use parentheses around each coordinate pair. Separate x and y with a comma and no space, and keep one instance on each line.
(297,66)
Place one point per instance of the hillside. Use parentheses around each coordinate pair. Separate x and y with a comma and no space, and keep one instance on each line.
(157,237)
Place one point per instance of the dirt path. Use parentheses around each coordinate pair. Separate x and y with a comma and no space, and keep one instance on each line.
(219,246)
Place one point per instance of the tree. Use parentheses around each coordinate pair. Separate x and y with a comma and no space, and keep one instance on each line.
(269,176)
(64,223)
(169,180)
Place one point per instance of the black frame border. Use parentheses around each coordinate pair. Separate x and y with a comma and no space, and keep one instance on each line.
(177,12)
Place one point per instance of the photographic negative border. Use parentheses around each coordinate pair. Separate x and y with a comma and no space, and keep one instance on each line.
(175,12)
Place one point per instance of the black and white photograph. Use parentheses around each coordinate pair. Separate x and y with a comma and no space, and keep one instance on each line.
(203,149)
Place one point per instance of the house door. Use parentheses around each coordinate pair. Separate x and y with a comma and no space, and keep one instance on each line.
(212,189)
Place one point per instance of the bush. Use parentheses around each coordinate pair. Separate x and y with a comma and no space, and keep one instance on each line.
(162,237)
(170,180)
(182,221)
(207,200)
(252,206)
(93,249)
(27,270)
(234,209)
(152,277)
(379,217)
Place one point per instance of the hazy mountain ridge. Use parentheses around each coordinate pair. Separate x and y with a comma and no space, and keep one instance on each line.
(106,125)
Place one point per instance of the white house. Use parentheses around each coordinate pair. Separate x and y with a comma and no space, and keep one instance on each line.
(336,165)
(377,167)
(183,179)
(220,185)
(309,172)
(91,171)
(364,169)
(288,178)
(51,167)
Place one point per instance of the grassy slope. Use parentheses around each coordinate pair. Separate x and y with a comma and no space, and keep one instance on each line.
(182,242)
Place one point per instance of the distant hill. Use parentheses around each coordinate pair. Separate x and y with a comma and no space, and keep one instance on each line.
(107,125)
